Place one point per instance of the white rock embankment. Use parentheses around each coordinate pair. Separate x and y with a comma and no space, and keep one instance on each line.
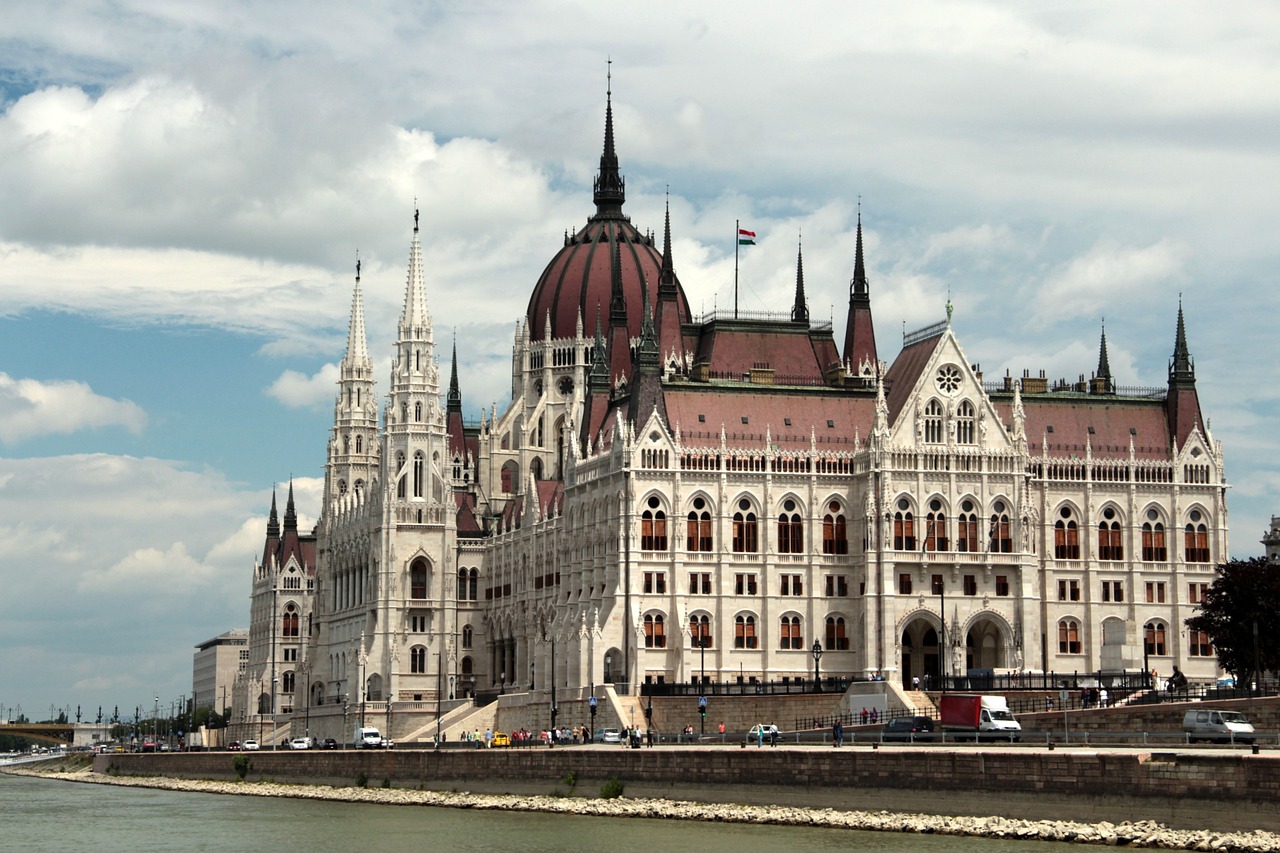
(1140,834)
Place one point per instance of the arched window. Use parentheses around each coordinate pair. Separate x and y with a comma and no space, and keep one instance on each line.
(342,487)
(790,633)
(698,534)
(287,682)
(359,444)
(964,423)
(655,631)
(744,632)
(1155,638)
(1066,536)
(653,527)
(1153,543)
(967,529)
(474,585)
(418,660)
(933,422)
(510,473)
(1069,637)
(790,530)
(1196,539)
(904,527)
(462,584)
(835,539)
(418,579)
(746,529)
(468,636)
(401,476)
(836,639)
(700,632)
(1199,645)
(1001,540)
(418,464)
(935,530)
(289,622)
(417,412)
(1110,546)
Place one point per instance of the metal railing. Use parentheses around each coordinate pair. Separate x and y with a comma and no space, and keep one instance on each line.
(829,684)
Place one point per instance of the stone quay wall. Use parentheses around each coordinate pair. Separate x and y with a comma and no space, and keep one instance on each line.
(1221,790)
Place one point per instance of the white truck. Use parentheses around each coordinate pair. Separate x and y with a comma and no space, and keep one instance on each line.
(367,737)
(986,717)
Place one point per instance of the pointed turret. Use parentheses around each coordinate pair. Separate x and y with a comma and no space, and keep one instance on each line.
(415,294)
(667,319)
(619,338)
(860,334)
(453,412)
(610,187)
(1182,404)
(1102,382)
(800,311)
(273,534)
(353,440)
(455,395)
(290,512)
(1182,370)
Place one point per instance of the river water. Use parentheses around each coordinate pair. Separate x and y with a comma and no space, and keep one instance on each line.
(43,814)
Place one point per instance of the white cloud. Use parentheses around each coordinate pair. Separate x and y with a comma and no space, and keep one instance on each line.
(297,390)
(30,408)
(1110,277)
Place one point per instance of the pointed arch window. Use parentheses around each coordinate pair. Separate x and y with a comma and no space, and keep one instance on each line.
(1069,637)
(967,529)
(964,423)
(698,534)
(792,638)
(700,632)
(287,683)
(1110,546)
(836,638)
(462,584)
(419,464)
(359,444)
(417,412)
(1154,637)
(744,632)
(933,422)
(418,660)
(835,538)
(401,476)
(468,636)
(1001,540)
(1066,536)
(1196,539)
(655,631)
(289,622)
(790,530)
(653,527)
(746,529)
(473,582)
(418,579)
(1154,549)
(904,527)
(935,531)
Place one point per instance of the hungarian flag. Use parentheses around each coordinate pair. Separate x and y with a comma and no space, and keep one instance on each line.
(746,238)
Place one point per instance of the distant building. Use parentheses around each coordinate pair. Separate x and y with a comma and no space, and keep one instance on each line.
(1271,540)
(216,664)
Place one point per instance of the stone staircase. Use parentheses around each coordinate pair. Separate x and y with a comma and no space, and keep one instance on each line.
(919,703)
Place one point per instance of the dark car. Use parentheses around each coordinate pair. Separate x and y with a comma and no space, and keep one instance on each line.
(330,743)
(908,729)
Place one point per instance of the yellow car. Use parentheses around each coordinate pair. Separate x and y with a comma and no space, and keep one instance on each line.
(499,739)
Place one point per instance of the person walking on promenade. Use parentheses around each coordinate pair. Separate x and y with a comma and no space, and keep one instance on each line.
(760,736)
(722,728)
(773,734)
(837,734)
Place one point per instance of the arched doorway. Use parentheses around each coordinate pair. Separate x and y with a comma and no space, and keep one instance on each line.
(921,652)
(985,645)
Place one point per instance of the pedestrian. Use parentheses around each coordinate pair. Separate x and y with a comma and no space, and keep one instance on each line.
(837,733)
(875,716)
(915,682)
(649,733)
(1049,704)
(759,735)
(721,727)
(773,734)
(864,716)
(1103,697)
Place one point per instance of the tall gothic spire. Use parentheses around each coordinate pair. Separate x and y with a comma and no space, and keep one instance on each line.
(858,286)
(455,394)
(1102,382)
(357,339)
(800,311)
(610,187)
(415,294)
(290,513)
(273,522)
(667,278)
(1182,369)
(860,333)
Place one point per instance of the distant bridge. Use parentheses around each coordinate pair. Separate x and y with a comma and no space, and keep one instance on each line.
(66,734)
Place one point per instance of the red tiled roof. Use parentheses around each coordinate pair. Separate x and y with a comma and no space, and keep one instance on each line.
(901,377)
(1112,420)
(699,411)
(789,350)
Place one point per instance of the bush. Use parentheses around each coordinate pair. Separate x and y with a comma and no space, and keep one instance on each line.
(611,789)
(362,780)
(386,781)
(243,765)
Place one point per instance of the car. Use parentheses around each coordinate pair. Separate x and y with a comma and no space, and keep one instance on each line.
(500,739)
(234,746)
(908,729)
(330,743)
(148,746)
(608,736)
(300,743)
(249,745)
(386,743)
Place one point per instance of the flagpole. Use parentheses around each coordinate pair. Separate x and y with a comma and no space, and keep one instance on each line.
(737,243)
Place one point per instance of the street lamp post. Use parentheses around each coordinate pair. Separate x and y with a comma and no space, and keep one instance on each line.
(502,683)
(941,590)
(608,661)
(817,656)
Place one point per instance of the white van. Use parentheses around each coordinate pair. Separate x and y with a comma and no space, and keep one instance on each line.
(367,737)
(1217,726)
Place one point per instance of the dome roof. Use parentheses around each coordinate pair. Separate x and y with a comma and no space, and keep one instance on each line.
(579,280)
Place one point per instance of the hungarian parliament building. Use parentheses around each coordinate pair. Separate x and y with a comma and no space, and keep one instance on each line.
(670,498)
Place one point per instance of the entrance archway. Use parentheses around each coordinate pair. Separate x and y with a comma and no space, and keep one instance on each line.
(985,645)
(921,651)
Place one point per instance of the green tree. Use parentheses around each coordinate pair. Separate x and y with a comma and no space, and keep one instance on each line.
(1240,612)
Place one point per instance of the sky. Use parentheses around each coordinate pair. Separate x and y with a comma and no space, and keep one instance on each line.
(185,189)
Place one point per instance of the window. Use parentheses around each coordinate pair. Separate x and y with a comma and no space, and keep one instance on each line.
(655,582)
(655,633)
(791,638)
(698,536)
(936,585)
(792,585)
(289,621)
(970,585)
(468,636)
(967,529)
(700,632)
(1198,645)
(1196,539)
(964,423)
(1069,637)
(904,530)
(837,641)
(653,527)
(1002,585)
(746,530)
(1001,541)
(1155,638)
(462,584)
(290,655)
(1068,590)
(473,584)
(1153,545)
(837,585)
(700,583)
(418,462)
(1195,592)
(904,583)
(744,584)
(1155,592)
(790,530)
(1113,591)
(1066,537)
(418,579)
(935,530)
(933,422)
(418,660)
(744,632)
(1109,544)
(418,624)
(401,480)
(834,536)
(287,682)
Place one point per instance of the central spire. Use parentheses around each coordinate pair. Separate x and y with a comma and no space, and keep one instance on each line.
(610,187)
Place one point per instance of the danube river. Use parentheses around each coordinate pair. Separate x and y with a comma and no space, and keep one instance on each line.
(43,814)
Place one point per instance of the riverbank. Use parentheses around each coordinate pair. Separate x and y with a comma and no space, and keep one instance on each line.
(1140,834)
